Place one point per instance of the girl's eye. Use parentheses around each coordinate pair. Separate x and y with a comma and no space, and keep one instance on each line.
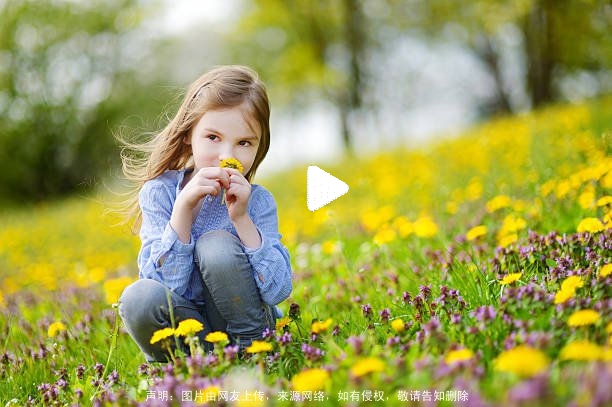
(245,143)
(212,137)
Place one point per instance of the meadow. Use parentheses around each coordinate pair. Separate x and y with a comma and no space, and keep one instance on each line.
(475,270)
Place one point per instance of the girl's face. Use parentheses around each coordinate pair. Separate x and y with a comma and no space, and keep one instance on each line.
(224,133)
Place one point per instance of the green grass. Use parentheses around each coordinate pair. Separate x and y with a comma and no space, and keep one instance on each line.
(356,263)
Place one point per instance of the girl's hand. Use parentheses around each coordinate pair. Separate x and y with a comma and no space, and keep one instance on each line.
(206,181)
(236,200)
(237,194)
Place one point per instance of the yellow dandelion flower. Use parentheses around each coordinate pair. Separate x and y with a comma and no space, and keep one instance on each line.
(231,163)
(55,328)
(506,240)
(604,201)
(590,225)
(499,202)
(403,226)
(310,380)
(473,191)
(476,232)
(511,224)
(458,355)
(282,322)
(452,207)
(367,366)
(571,283)
(586,199)
(583,317)
(259,346)
(609,328)
(581,350)
(217,336)
(563,188)
(96,274)
(330,247)
(547,188)
(606,270)
(510,278)
(161,334)
(321,326)
(188,327)
(398,325)
(563,295)
(384,235)
(373,219)
(114,287)
(425,227)
(523,361)
(607,220)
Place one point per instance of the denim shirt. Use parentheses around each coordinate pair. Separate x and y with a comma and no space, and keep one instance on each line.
(164,258)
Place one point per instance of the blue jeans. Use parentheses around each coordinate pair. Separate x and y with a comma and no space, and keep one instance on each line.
(231,302)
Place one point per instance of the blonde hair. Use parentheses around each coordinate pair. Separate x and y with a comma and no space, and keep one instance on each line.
(222,87)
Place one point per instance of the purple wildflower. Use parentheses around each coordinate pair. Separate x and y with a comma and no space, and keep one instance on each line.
(385,314)
(367,310)
(529,390)
(285,338)
(356,342)
(231,351)
(311,352)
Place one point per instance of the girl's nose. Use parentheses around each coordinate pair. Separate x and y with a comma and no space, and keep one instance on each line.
(225,152)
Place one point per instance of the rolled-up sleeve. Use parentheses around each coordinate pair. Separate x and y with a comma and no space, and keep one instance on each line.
(163,257)
(270,261)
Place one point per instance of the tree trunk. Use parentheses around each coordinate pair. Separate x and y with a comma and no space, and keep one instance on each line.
(487,53)
(355,41)
(539,53)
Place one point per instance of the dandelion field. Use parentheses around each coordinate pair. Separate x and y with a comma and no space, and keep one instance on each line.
(475,270)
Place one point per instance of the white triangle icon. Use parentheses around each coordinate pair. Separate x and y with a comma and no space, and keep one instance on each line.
(322,188)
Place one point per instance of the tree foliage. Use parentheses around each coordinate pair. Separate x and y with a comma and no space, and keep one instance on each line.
(557,38)
(310,49)
(329,47)
(66,80)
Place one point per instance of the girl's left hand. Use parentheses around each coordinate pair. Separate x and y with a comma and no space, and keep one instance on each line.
(237,195)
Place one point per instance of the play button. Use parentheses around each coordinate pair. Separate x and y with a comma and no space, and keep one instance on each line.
(322,188)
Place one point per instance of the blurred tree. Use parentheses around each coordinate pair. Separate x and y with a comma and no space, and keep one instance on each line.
(68,71)
(329,48)
(564,37)
(558,38)
(308,48)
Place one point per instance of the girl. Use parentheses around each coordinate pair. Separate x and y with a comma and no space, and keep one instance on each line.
(210,241)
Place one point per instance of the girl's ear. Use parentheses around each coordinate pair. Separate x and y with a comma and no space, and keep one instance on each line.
(187,139)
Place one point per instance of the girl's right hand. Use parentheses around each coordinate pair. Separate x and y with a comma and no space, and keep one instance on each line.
(206,181)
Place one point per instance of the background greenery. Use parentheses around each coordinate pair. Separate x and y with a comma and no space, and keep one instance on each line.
(75,74)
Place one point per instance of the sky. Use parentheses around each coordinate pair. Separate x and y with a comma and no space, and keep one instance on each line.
(179,13)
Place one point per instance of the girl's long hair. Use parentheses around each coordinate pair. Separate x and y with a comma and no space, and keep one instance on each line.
(222,87)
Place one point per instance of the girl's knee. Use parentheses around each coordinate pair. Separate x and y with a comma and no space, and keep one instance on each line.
(140,297)
(217,241)
(219,251)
